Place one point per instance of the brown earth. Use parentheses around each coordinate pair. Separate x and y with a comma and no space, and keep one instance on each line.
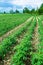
(35,38)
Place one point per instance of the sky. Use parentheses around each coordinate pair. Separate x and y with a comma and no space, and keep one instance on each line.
(7,5)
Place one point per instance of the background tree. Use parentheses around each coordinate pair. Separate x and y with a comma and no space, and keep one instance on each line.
(40,10)
(17,11)
(26,10)
(33,11)
(4,12)
(11,11)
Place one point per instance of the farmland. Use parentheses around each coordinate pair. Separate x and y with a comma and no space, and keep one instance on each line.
(21,39)
(8,22)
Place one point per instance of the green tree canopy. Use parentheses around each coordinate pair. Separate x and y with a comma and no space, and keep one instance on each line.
(16,11)
(26,10)
(11,11)
(40,9)
(33,11)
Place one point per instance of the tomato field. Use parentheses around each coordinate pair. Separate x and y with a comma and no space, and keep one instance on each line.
(21,39)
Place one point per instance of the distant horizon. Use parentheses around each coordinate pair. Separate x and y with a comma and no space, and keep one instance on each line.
(6,5)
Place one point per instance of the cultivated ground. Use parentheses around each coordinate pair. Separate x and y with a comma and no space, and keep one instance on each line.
(22,44)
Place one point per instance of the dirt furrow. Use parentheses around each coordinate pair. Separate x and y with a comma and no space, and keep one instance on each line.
(39,18)
(13,30)
(35,38)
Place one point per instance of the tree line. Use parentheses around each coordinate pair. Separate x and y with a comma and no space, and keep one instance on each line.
(26,10)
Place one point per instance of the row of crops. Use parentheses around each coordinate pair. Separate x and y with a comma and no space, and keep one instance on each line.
(23,51)
(10,21)
(11,39)
(24,54)
(37,57)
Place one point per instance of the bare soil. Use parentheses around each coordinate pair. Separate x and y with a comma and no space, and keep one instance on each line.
(35,37)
